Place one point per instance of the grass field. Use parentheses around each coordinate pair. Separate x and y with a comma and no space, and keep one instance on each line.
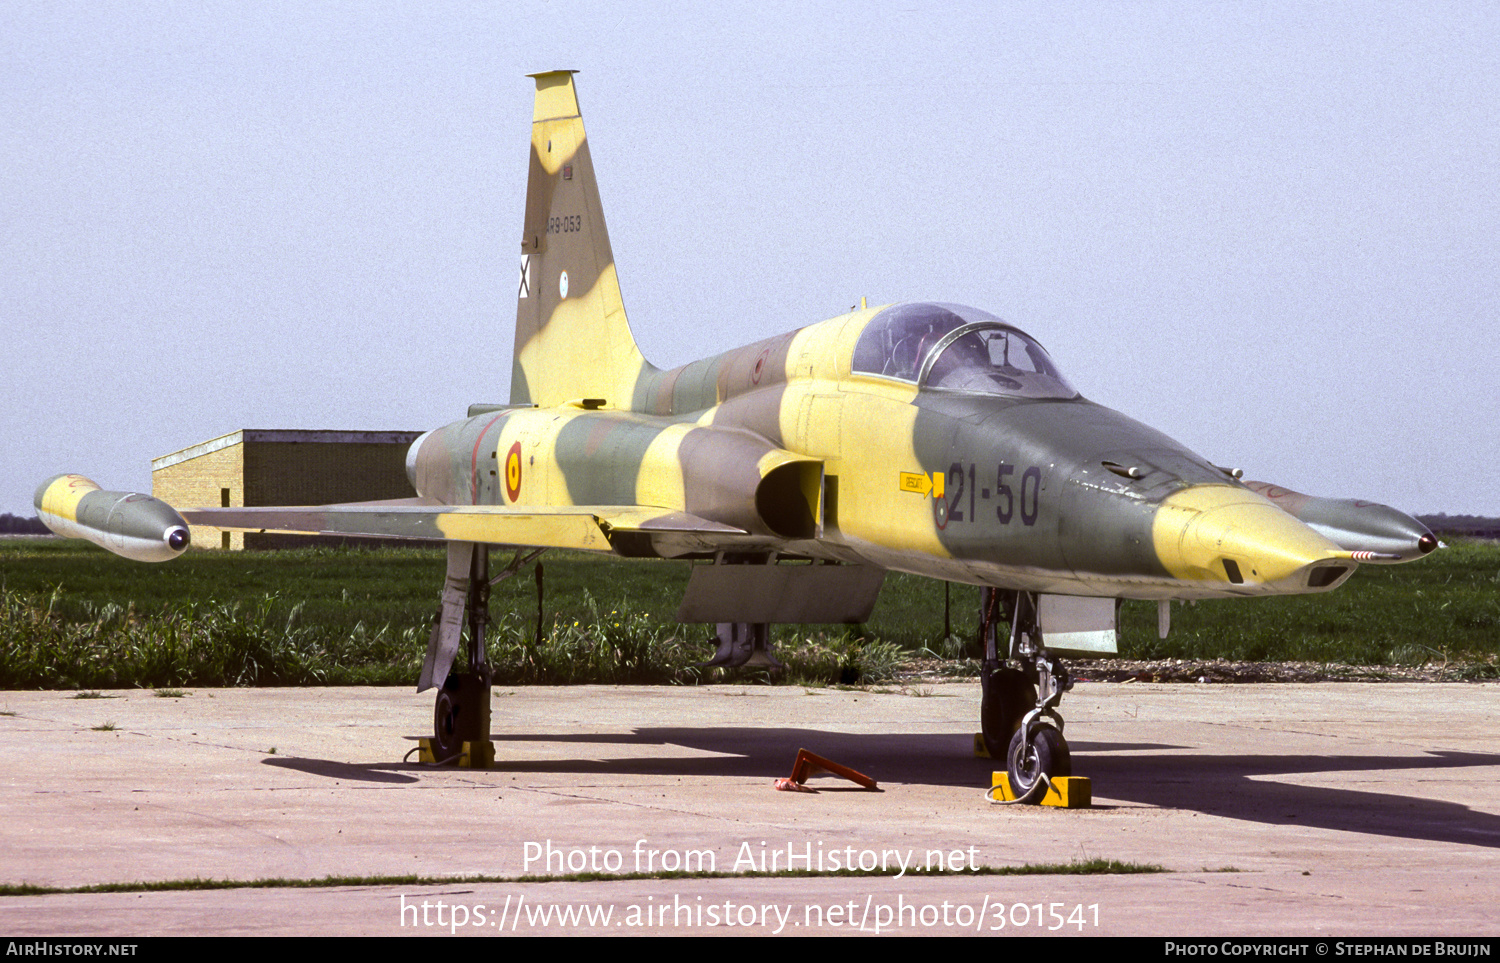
(73,616)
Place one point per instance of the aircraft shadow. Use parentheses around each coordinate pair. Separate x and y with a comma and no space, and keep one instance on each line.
(1246,787)
(351,772)
(1242,787)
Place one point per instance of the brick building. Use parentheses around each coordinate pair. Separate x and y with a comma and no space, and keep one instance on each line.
(256,466)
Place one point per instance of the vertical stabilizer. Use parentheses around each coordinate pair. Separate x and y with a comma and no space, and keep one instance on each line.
(572,339)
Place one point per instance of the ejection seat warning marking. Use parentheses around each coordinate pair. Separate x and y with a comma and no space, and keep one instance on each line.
(525,275)
(922,484)
(513,472)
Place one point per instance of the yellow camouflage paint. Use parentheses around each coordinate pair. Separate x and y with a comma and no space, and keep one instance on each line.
(1196,529)
(556,97)
(63,495)
(541,530)
(659,482)
(878,425)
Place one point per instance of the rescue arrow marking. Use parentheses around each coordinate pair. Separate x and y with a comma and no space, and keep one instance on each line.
(922,484)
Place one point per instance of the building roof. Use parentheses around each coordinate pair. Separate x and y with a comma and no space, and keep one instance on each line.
(283,435)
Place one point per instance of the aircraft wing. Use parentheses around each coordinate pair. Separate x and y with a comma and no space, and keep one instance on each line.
(592,528)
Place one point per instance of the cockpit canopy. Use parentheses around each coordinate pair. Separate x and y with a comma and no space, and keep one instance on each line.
(948,347)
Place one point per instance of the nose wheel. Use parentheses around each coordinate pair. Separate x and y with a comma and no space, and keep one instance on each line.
(1033,763)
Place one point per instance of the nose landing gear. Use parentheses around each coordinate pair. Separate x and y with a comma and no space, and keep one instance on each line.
(1019,721)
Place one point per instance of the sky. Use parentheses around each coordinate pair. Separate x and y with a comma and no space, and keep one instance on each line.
(1267,229)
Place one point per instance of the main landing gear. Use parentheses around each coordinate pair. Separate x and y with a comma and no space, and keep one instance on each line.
(1019,696)
(462,712)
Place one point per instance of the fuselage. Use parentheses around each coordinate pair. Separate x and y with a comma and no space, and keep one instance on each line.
(926,438)
(809,443)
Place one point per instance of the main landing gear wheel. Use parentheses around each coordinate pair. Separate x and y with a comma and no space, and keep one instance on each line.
(460,715)
(1006,695)
(446,742)
(1031,763)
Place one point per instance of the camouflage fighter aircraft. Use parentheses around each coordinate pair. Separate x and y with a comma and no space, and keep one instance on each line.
(918,437)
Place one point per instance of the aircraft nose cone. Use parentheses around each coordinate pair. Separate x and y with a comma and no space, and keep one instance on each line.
(1373,532)
(1231,535)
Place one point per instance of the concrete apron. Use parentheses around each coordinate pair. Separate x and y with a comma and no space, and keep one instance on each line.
(1337,808)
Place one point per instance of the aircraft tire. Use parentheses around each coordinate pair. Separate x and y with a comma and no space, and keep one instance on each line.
(1006,697)
(1049,755)
(448,723)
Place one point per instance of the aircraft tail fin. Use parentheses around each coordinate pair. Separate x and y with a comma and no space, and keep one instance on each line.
(572,338)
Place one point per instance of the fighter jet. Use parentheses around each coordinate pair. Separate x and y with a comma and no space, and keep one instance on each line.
(929,438)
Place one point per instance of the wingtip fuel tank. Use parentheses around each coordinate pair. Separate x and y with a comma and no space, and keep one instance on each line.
(136,526)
